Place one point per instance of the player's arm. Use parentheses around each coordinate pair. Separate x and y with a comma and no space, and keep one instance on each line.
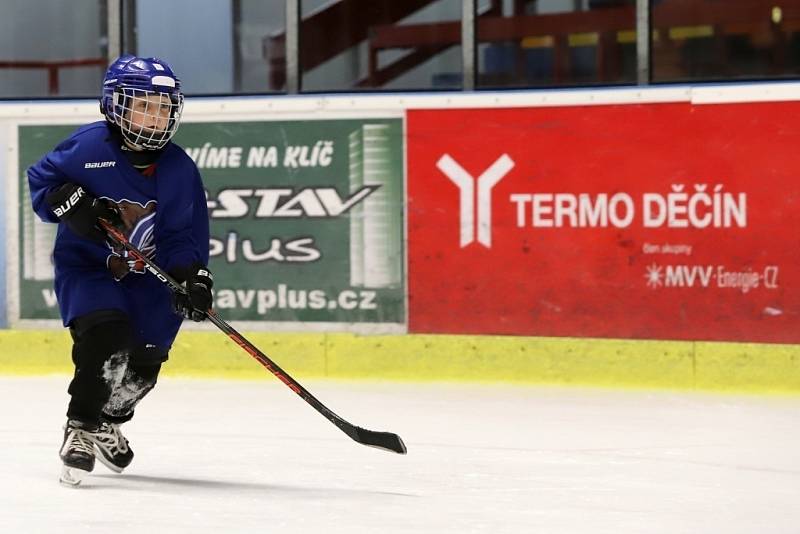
(56,198)
(44,177)
(185,239)
(80,210)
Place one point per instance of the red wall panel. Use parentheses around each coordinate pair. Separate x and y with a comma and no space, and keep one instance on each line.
(662,221)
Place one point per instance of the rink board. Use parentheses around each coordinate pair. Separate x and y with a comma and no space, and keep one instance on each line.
(705,366)
(324,351)
(306,219)
(661,221)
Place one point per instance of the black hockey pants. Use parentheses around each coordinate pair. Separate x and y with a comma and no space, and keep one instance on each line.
(113,372)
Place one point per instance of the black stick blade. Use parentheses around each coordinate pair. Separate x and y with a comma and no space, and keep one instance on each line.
(381,440)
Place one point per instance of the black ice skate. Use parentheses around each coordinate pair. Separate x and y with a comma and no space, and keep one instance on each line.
(77,453)
(115,452)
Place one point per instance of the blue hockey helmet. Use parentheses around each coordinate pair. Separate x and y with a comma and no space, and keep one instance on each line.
(143,97)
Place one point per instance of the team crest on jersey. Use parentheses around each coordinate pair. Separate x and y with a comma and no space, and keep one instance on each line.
(138,226)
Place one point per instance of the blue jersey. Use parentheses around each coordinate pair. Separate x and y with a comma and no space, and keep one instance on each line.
(164,215)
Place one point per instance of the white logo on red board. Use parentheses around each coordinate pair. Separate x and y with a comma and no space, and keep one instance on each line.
(466,185)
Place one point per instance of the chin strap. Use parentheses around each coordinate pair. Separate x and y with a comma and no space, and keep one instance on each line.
(141,159)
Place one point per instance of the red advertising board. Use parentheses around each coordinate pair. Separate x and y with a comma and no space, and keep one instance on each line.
(660,221)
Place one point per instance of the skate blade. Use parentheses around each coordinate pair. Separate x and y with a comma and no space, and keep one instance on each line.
(109,465)
(71,476)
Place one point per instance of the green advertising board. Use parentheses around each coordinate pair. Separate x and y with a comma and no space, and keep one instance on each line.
(306,219)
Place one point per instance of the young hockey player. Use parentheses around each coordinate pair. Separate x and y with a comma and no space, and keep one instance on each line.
(125,170)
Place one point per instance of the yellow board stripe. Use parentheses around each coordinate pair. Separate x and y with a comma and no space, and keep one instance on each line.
(626,36)
(690,32)
(583,39)
(678,33)
(740,367)
(545,41)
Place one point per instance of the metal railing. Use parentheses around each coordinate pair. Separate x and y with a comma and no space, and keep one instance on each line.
(54,67)
(652,29)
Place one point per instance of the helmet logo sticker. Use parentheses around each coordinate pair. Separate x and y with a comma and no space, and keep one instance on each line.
(163,80)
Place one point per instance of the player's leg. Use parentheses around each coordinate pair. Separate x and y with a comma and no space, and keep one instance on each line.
(139,379)
(102,344)
(156,326)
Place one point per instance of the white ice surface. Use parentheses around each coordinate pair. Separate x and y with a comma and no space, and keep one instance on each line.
(220,457)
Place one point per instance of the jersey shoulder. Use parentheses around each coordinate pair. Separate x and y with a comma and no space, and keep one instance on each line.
(87,143)
(178,154)
(180,164)
(94,132)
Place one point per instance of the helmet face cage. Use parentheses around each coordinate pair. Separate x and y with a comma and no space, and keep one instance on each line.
(147,119)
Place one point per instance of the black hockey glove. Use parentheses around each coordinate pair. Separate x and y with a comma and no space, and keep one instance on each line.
(197,300)
(79,210)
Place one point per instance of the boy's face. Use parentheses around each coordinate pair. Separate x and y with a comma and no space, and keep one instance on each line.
(149,113)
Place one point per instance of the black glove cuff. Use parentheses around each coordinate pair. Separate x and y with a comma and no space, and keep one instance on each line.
(194,273)
(203,277)
(64,200)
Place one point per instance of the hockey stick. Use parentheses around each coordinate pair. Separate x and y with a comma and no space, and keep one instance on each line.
(381,440)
